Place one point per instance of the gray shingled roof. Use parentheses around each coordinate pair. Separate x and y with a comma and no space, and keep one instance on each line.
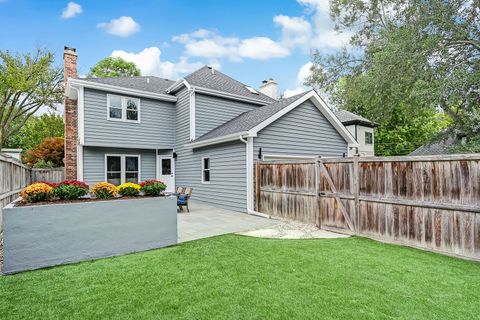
(249,119)
(435,147)
(207,77)
(147,83)
(347,117)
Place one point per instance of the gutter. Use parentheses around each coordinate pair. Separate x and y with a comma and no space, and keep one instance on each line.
(227,138)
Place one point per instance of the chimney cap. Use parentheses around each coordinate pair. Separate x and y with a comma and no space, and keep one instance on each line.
(70,49)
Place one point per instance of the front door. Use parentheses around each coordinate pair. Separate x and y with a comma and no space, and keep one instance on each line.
(167,172)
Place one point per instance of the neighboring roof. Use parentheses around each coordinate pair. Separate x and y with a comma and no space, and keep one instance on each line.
(435,147)
(209,78)
(147,83)
(347,118)
(249,119)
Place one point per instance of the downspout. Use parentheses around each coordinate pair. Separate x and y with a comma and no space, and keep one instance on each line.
(249,165)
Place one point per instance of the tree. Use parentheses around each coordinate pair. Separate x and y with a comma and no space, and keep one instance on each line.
(27,82)
(37,128)
(410,65)
(48,154)
(114,67)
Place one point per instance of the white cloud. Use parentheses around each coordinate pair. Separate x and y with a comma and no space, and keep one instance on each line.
(122,27)
(209,44)
(295,30)
(150,64)
(261,48)
(302,75)
(71,10)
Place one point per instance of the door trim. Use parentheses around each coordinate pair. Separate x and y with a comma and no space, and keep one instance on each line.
(159,162)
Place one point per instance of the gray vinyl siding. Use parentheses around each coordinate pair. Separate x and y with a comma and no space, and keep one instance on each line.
(94,163)
(156,128)
(302,131)
(211,112)
(227,188)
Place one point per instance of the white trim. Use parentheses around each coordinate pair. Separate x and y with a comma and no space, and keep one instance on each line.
(121,90)
(79,162)
(173,171)
(209,169)
(123,100)
(192,115)
(230,95)
(182,82)
(81,116)
(250,177)
(227,138)
(123,165)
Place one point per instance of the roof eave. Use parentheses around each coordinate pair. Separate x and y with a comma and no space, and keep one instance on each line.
(117,89)
(360,122)
(222,139)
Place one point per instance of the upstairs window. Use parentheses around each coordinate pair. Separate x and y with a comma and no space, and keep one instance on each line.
(368,137)
(205,170)
(123,108)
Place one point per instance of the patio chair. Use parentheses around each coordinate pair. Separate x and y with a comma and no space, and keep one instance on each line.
(180,190)
(182,198)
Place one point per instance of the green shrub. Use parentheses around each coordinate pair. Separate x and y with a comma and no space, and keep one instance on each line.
(70,190)
(153,187)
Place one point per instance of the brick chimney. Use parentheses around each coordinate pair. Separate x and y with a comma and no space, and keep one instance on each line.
(270,88)
(70,115)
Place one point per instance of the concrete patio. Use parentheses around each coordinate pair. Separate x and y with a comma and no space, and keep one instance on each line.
(205,221)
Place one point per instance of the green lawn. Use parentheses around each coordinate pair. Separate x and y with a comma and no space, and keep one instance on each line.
(236,277)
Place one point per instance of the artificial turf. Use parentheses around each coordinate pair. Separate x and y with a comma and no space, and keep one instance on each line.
(237,277)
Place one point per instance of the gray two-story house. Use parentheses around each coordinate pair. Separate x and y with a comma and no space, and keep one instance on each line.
(203,131)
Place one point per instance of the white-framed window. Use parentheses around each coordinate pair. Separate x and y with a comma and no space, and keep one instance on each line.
(368,137)
(121,108)
(121,168)
(206,170)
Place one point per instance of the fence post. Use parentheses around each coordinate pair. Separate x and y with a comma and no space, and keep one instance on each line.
(356,193)
(317,194)
(257,187)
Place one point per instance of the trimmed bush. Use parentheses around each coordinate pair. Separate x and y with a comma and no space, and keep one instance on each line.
(104,190)
(129,189)
(70,190)
(152,187)
(36,192)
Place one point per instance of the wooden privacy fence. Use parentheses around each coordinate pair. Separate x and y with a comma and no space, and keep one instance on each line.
(430,202)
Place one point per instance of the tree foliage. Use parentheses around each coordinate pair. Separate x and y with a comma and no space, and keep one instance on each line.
(35,130)
(27,83)
(114,67)
(49,153)
(413,66)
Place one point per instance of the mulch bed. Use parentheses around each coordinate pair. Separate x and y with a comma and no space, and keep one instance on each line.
(41,203)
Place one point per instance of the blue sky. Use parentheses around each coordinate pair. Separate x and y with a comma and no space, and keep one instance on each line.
(248,40)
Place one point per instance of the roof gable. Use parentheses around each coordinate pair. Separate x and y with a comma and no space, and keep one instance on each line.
(251,122)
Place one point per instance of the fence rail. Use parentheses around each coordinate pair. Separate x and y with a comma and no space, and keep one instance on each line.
(428,202)
(14,176)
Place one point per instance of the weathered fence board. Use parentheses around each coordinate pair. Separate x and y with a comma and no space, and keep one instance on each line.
(428,202)
(14,176)
(55,175)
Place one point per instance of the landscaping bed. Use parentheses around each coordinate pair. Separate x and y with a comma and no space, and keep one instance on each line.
(62,223)
(238,277)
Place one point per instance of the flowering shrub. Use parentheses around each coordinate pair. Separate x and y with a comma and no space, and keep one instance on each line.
(51,184)
(70,190)
(153,187)
(36,192)
(104,190)
(129,189)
